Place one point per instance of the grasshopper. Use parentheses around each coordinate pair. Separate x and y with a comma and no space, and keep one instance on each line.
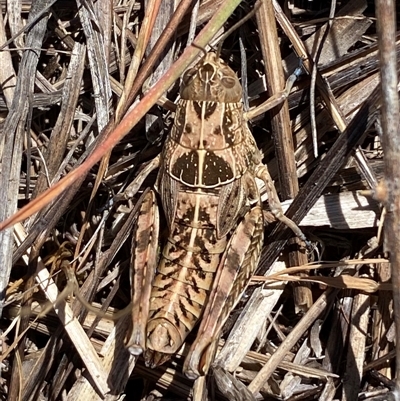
(206,183)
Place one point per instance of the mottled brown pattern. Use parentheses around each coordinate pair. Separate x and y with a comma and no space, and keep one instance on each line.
(206,183)
(206,155)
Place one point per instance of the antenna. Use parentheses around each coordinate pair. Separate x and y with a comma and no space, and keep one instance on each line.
(236,26)
(199,47)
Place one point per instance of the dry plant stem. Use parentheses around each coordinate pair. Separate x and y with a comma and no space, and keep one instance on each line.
(98,61)
(131,118)
(295,368)
(386,21)
(343,281)
(19,355)
(50,216)
(364,166)
(382,361)
(68,363)
(97,47)
(117,362)
(151,11)
(14,126)
(14,13)
(162,42)
(356,350)
(7,73)
(76,333)
(382,318)
(301,51)
(326,28)
(42,366)
(103,263)
(250,322)
(71,325)
(343,211)
(349,102)
(325,91)
(280,118)
(281,128)
(307,320)
(324,265)
(335,157)
(30,24)
(231,387)
(154,124)
(193,22)
(337,154)
(104,11)
(106,258)
(347,29)
(127,36)
(56,147)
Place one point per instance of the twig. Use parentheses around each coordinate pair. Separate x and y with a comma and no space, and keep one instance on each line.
(326,28)
(389,191)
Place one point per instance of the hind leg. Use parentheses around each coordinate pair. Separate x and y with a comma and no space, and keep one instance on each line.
(143,266)
(234,272)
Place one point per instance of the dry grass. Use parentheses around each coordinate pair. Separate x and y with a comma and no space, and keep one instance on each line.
(320,331)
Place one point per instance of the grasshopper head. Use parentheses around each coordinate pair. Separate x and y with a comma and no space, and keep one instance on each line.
(211,80)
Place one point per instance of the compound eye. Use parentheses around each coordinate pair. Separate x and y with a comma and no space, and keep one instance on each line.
(229,83)
(188,76)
